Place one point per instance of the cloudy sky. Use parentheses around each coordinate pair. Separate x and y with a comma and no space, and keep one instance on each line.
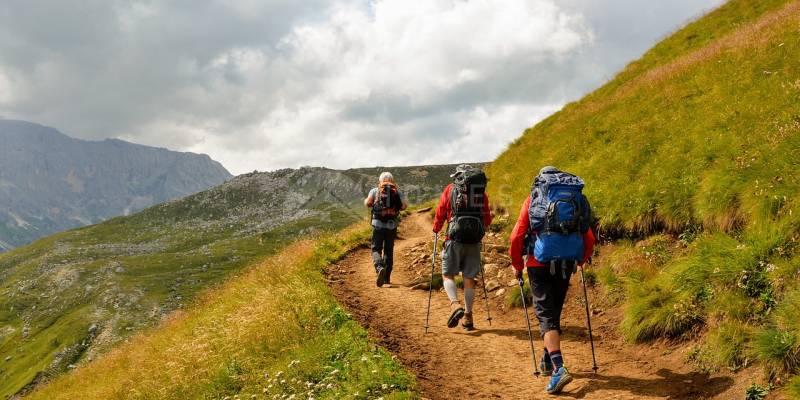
(343,83)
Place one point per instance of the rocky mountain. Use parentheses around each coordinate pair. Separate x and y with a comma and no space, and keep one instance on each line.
(50,182)
(70,296)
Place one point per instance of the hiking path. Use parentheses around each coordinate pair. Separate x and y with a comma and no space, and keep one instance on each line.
(494,362)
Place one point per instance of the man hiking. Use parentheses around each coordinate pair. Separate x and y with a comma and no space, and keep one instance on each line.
(553,235)
(465,206)
(386,202)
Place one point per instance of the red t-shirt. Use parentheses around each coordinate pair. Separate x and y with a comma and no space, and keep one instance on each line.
(521,231)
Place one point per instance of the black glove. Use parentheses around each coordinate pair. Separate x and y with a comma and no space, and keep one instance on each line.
(517,274)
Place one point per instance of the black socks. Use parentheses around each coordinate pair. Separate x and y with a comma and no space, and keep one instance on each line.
(558,361)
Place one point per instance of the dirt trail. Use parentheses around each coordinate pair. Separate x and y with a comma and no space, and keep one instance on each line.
(495,362)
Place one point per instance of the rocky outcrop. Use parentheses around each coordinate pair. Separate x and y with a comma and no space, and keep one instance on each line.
(50,182)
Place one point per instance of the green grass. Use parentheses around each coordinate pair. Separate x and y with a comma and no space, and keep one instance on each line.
(58,314)
(690,156)
(793,387)
(778,346)
(514,297)
(273,330)
(728,345)
(126,274)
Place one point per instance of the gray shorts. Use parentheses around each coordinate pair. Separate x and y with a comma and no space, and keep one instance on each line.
(460,257)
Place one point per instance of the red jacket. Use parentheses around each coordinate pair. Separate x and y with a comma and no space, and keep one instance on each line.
(521,231)
(444,211)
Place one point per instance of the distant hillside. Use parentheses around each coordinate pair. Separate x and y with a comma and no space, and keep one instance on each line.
(70,296)
(692,156)
(50,182)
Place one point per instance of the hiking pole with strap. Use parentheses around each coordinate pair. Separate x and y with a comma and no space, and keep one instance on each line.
(430,286)
(588,318)
(485,295)
(528,321)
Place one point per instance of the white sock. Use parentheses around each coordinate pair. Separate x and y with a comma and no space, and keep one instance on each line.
(469,298)
(451,290)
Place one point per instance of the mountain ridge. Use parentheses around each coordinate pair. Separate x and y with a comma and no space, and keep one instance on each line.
(50,182)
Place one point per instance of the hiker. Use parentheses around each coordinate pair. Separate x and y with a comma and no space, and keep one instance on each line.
(386,202)
(465,206)
(554,237)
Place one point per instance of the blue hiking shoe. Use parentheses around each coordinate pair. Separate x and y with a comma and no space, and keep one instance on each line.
(559,379)
(546,366)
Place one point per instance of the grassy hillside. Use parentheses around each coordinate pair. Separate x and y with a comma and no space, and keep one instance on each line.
(273,330)
(691,158)
(69,297)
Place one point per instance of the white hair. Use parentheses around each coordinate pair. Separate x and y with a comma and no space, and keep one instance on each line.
(386,177)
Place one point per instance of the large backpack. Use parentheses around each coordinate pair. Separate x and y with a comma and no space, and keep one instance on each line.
(466,202)
(387,203)
(559,216)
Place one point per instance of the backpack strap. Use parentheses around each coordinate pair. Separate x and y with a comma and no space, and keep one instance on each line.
(453,195)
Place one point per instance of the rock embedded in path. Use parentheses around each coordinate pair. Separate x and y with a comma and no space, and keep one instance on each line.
(491,268)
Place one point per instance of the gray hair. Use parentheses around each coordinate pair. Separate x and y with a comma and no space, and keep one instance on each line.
(386,177)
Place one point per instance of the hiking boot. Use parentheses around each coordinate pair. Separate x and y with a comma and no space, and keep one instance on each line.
(467,323)
(546,366)
(381,277)
(456,315)
(559,379)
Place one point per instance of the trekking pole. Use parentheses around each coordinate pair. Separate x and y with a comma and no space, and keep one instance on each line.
(528,321)
(430,286)
(588,318)
(485,295)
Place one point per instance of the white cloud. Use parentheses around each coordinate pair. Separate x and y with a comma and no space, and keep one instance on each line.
(276,83)
(5,88)
(419,54)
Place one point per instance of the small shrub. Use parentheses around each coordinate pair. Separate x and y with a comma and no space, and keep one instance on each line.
(755,283)
(778,350)
(702,360)
(688,236)
(779,345)
(499,224)
(657,249)
(437,282)
(591,277)
(514,299)
(757,392)
(727,345)
(659,311)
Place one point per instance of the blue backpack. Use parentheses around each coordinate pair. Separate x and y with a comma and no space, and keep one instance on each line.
(559,216)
